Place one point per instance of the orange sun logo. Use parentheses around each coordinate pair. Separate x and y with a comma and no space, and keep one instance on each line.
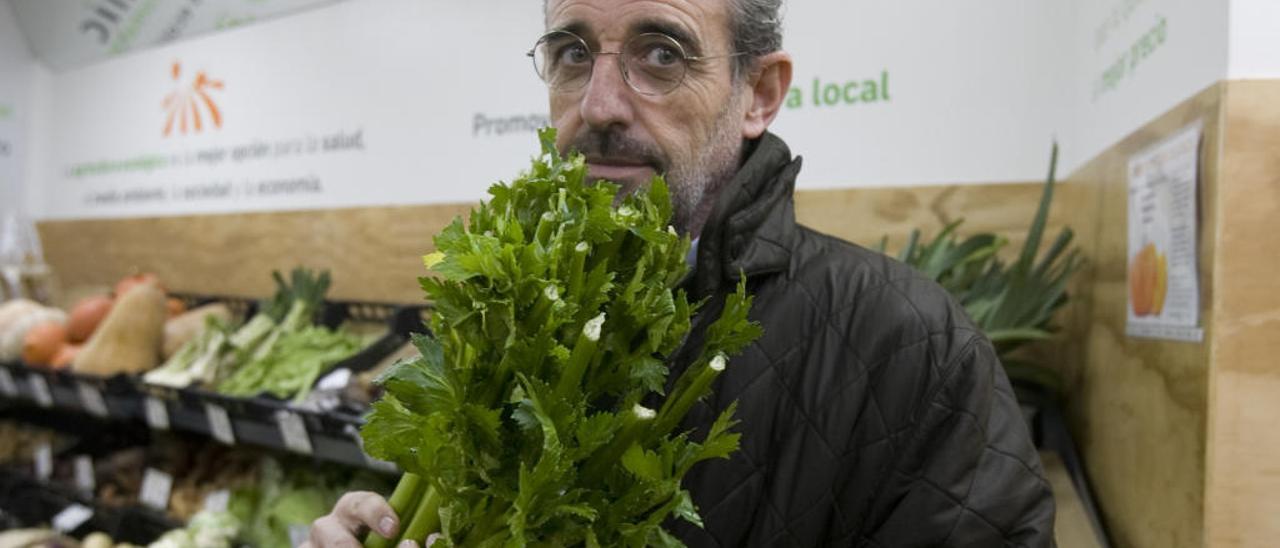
(183,107)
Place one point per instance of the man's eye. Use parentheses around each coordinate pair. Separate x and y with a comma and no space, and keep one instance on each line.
(573,54)
(661,56)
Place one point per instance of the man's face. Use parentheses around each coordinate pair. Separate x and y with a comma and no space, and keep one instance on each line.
(692,135)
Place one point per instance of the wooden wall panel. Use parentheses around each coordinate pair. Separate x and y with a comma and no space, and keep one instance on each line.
(1243,481)
(1139,412)
(374,253)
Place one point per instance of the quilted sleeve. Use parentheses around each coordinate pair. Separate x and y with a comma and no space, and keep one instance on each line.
(968,474)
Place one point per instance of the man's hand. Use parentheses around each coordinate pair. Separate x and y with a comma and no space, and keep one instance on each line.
(355,512)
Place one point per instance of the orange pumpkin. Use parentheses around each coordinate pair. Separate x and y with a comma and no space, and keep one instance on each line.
(1148,281)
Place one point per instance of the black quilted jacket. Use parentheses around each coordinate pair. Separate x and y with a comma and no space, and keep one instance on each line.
(873,413)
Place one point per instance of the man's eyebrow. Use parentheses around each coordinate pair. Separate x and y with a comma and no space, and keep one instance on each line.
(660,26)
(643,26)
(576,27)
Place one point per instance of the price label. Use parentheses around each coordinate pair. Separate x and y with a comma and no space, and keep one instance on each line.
(157,413)
(40,391)
(84,474)
(219,423)
(217,501)
(294,432)
(337,380)
(71,518)
(7,386)
(91,399)
(155,489)
(44,462)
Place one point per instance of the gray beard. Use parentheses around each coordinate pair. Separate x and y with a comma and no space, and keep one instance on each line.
(695,188)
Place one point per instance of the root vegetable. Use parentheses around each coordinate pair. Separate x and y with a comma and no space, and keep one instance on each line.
(42,342)
(85,317)
(13,336)
(129,339)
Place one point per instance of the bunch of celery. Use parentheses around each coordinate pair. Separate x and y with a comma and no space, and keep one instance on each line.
(217,353)
(293,364)
(538,413)
(201,361)
(289,316)
(293,307)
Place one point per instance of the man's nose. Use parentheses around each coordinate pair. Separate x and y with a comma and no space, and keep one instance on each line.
(606,99)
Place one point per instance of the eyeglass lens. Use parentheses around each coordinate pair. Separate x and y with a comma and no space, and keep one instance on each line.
(651,63)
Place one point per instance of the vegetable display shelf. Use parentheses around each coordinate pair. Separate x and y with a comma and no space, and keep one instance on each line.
(26,502)
(261,420)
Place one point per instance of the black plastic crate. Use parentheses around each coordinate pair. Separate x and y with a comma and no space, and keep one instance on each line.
(27,503)
(25,377)
(119,393)
(404,322)
(17,373)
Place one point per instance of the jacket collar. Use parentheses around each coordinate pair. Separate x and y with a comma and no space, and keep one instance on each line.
(752,227)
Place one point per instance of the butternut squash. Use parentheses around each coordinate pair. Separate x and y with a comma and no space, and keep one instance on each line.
(130,337)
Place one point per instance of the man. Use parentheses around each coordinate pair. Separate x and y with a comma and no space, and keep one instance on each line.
(873,412)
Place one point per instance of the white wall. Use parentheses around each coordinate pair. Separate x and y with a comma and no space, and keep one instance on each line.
(1255,39)
(976,93)
(387,71)
(390,69)
(40,107)
(968,90)
(16,65)
(1136,59)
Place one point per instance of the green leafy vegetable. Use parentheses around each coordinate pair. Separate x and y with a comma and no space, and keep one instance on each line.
(279,351)
(292,364)
(218,353)
(291,494)
(536,415)
(293,307)
(205,530)
(1013,304)
(201,360)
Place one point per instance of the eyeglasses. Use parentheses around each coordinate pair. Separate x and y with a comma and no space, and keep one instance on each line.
(651,63)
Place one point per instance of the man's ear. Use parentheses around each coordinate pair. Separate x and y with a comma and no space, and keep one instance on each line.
(767,85)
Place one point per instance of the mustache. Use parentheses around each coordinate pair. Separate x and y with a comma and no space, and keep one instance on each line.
(611,143)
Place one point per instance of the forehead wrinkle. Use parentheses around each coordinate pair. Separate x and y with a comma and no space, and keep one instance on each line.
(679,21)
(578,27)
(673,29)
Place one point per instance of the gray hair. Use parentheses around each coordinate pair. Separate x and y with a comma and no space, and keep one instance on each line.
(756,29)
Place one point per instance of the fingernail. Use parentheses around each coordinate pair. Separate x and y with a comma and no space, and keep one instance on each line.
(387,526)
(408,544)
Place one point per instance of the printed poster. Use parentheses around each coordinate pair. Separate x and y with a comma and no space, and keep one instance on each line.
(1163,285)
